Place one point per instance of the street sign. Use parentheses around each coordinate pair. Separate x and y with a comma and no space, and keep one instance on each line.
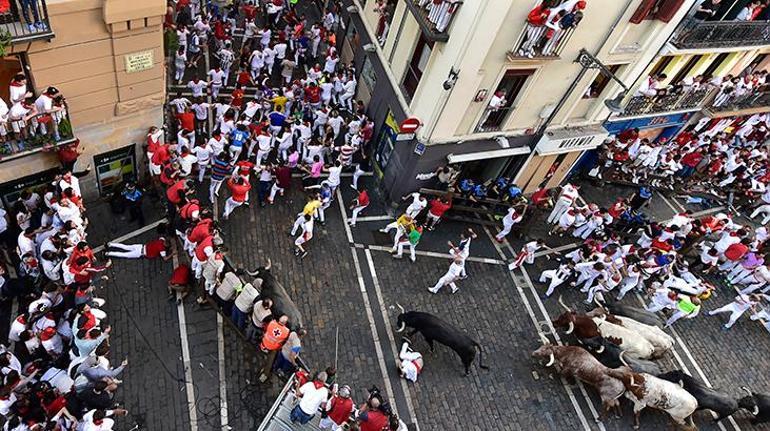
(419,149)
(410,125)
(405,136)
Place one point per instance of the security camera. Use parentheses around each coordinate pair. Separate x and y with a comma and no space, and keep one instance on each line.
(369,47)
(448,84)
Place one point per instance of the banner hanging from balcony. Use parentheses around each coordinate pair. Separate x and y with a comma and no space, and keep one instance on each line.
(114,168)
(656,122)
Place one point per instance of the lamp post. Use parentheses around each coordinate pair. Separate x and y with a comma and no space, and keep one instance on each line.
(587,62)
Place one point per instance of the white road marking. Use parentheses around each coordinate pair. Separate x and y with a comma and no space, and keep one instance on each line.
(556,336)
(190,389)
(374,218)
(668,203)
(536,324)
(132,234)
(389,331)
(223,410)
(441,255)
(344,216)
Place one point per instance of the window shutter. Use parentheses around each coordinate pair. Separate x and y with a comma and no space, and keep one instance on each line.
(644,9)
(668,9)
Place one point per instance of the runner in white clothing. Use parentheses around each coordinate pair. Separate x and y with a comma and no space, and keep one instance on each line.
(452,275)
(567,197)
(510,219)
(740,305)
(418,204)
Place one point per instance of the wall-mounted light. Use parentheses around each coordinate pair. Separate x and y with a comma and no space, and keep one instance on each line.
(451,79)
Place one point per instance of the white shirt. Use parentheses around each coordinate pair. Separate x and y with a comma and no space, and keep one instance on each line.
(312,398)
(334,176)
(197,87)
(201,110)
(216,146)
(417,204)
(216,76)
(203,153)
(73,182)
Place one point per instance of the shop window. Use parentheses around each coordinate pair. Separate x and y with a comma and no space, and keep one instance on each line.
(417,66)
(600,83)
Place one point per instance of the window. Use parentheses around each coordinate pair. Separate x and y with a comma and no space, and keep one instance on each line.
(709,72)
(385,10)
(685,71)
(368,75)
(660,66)
(417,65)
(663,10)
(600,83)
(509,89)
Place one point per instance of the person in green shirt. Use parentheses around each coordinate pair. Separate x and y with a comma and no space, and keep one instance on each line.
(686,306)
(412,238)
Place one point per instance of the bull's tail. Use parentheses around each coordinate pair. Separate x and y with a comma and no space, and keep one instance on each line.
(481,356)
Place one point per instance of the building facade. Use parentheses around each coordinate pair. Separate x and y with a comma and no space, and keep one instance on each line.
(497,91)
(106,59)
(709,74)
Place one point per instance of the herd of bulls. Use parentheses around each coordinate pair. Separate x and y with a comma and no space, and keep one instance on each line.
(614,357)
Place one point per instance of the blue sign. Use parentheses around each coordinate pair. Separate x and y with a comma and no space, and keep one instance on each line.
(419,149)
(660,121)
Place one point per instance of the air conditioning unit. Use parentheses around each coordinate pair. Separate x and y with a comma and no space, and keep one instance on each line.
(567,140)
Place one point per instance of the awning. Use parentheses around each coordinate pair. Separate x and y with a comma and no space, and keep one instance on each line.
(483,155)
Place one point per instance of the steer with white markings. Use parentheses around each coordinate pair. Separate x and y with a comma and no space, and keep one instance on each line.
(661,342)
(631,342)
(720,403)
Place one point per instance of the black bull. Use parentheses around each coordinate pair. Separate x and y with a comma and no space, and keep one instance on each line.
(282,302)
(433,329)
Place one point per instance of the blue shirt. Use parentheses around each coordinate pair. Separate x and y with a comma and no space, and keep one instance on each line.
(501,183)
(238,137)
(133,195)
(514,191)
(276,119)
(479,191)
(466,185)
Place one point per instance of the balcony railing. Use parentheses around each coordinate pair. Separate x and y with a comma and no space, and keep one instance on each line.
(493,119)
(36,135)
(540,42)
(24,21)
(695,34)
(434,17)
(737,102)
(689,100)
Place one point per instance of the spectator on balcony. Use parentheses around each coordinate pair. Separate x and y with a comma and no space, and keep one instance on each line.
(21,112)
(46,109)
(747,13)
(707,10)
(4,126)
(566,22)
(18,88)
(28,6)
(536,20)
(652,86)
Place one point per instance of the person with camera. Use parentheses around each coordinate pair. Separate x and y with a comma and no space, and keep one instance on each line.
(374,414)
(311,396)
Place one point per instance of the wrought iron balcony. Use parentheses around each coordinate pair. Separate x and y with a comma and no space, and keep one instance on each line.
(434,17)
(25,137)
(683,101)
(24,21)
(493,119)
(694,34)
(540,42)
(739,102)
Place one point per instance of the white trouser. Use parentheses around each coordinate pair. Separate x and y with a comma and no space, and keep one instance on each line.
(735,311)
(753,287)
(679,314)
(400,249)
(298,223)
(197,266)
(654,306)
(584,231)
(356,211)
(214,189)
(764,209)
(235,152)
(322,212)
(202,171)
(559,208)
(628,284)
(447,280)
(595,291)
(738,273)
(273,190)
(356,175)
(346,101)
(215,89)
(507,226)
(129,251)
(327,423)
(262,155)
(230,205)
(555,281)
(179,74)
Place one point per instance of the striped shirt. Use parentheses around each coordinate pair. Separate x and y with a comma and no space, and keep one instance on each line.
(220,169)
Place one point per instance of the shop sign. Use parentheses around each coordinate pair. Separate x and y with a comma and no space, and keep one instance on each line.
(10,191)
(114,168)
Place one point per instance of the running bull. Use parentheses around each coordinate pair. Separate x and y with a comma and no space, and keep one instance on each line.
(757,404)
(273,289)
(433,329)
(576,362)
(720,403)
(661,342)
(609,353)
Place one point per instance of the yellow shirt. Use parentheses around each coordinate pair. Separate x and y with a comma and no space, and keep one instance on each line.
(279,102)
(311,206)
(404,221)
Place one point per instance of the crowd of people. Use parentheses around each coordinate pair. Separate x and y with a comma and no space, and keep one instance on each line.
(56,371)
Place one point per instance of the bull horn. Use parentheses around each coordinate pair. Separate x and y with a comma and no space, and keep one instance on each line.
(570,328)
(600,350)
(621,358)
(402,327)
(631,383)
(599,304)
(561,302)
(269,264)
(747,390)
(400,308)
(253,273)
(543,339)
(551,361)
(755,412)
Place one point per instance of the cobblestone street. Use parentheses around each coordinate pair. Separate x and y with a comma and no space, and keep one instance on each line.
(352,285)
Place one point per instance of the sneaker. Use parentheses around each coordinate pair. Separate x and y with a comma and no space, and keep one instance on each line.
(41,26)
(455,289)
(31,27)
(430,289)
(383,230)
(302,256)
(412,259)
(353,187)
(397,256)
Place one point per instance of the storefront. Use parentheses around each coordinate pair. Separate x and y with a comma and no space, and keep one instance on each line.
(660,126)
(10,191)
(114,168)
